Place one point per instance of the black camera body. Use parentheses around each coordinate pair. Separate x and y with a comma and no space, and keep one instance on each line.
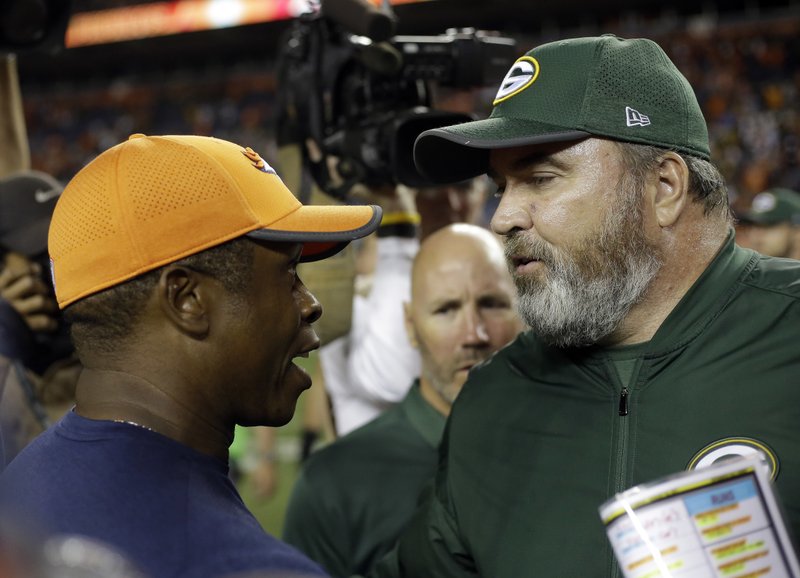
(365,100)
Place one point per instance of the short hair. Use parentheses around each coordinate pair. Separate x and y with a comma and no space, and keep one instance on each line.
(706,183)
(101,322)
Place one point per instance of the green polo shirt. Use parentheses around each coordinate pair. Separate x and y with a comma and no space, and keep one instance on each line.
(353,497)
(541,436)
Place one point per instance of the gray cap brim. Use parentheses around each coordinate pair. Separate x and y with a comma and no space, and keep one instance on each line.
(318,245)
(459,152)
(30,241)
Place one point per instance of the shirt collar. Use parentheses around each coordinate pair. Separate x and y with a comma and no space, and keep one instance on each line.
(428,422)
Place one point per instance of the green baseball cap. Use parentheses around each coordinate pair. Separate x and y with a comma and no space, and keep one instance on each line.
(772,207)
(627,90)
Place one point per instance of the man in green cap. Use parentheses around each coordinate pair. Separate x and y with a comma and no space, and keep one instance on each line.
(771,224)
(656,344)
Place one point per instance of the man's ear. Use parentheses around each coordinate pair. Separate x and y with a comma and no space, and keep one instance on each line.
(185,298)
(672,189)
(409,323)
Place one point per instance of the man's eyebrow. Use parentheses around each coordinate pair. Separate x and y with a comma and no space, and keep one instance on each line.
(526,161)
(444,302)
(537,158)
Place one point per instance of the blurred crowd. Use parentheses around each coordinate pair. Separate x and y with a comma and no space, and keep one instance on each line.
(748,81)
(67,127)
(745,76)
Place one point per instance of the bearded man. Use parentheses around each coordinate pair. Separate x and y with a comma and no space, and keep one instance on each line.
(656,343)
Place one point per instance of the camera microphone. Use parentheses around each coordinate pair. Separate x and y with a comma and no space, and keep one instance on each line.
(361,18)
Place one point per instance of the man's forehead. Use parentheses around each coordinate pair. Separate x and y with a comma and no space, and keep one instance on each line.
(448,278)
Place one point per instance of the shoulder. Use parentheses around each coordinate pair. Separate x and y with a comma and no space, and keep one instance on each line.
(258,552)
(501,382)
(357,448)
(775,275)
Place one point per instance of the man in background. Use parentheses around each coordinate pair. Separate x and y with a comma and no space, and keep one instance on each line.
(353,497)
(42,369)
(371,369)
(771,224)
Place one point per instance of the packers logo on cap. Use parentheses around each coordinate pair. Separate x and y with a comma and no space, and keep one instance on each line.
(763,203)
(728,448)
(523,73)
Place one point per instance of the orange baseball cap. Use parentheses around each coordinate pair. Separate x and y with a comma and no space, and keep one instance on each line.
(153,200)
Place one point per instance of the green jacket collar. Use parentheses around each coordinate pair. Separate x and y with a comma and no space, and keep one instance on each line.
(423,417)
(706,298)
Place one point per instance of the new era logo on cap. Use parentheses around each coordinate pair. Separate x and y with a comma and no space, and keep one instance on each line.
(635,118)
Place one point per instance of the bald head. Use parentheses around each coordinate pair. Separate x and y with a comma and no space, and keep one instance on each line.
(462,307)
(454,248)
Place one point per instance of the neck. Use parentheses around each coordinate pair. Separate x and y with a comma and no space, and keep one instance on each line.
(122,396)
(682,267)
(433,397)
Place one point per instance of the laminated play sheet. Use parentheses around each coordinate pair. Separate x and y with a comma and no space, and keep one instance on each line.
(717,522)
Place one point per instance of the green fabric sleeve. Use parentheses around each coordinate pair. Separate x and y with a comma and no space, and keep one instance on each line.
(315,530)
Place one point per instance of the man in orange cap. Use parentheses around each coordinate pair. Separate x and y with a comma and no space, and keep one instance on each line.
(175,260)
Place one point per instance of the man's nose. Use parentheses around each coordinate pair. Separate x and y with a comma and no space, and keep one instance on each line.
(512,213)
(475,333)
(310,308)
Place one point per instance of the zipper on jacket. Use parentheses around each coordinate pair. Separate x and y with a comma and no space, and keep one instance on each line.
(622,440)
(623,402)
(620,467)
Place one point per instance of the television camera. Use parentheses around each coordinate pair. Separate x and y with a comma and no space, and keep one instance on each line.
(363,95)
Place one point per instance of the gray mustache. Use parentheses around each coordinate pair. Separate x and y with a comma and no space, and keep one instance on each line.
(517,246)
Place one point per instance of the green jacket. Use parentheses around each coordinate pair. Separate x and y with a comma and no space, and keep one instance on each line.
(353,497)
(537,439)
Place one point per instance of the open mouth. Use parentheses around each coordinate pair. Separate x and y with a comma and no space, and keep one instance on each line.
(522,264)
(304,353)
(519,261)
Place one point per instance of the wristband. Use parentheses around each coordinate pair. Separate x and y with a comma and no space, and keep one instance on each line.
(399,224)
(400,217)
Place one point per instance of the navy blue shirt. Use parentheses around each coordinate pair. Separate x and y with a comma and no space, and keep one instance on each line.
(171,510)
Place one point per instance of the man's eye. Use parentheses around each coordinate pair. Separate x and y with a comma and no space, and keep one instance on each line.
(499,192)
(491,303)
(540,180)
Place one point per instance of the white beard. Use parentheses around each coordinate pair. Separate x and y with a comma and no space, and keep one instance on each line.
(585,293)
